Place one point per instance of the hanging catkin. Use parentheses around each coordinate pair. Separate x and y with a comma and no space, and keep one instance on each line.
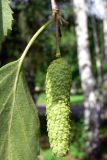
(58,85)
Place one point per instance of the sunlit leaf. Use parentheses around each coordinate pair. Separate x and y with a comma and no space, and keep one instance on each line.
(5,18)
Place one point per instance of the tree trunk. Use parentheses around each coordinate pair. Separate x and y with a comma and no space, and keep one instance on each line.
(91,104)
(105,31)
(104,111)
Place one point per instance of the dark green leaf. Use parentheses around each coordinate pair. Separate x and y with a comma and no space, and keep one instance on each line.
(19,125)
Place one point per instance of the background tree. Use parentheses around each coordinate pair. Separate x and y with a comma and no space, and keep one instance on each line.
(105,56)
(91,104)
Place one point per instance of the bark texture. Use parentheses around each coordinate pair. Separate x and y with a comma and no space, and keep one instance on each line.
(105,29)
(104,111)
(91,104)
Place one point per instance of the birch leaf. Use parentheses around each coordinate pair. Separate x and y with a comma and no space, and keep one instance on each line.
(5,18)
(19,125)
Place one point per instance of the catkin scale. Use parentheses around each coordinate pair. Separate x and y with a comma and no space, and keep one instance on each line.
(58,84)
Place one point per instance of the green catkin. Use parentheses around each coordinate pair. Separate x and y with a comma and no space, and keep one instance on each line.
(58,85)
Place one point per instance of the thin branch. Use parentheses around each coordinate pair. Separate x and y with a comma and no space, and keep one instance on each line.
(56,15)
(58,36)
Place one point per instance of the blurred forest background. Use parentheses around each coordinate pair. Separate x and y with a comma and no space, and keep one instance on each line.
(84,45)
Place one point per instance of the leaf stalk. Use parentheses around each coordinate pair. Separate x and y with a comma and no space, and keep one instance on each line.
(28,47)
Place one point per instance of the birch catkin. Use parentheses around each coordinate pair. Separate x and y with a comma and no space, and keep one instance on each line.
(58,84)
